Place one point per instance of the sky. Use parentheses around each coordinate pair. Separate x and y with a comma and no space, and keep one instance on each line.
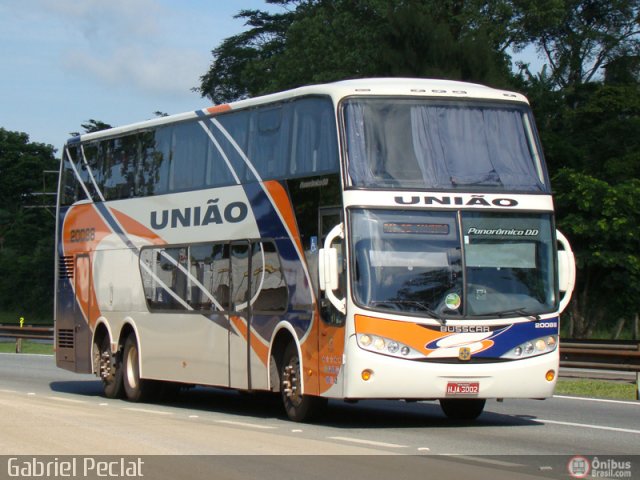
(64,62)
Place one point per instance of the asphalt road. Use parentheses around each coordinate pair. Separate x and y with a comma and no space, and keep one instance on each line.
(48,411)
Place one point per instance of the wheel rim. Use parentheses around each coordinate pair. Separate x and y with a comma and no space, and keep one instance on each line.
(132,367)
(291,381)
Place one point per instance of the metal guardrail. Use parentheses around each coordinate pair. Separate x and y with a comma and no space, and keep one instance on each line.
(25,332)
(602,355)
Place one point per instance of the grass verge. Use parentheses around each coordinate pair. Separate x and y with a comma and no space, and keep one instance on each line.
(584,387)
(27,347)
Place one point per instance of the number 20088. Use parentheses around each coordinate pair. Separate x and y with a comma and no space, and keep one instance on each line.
(83,235)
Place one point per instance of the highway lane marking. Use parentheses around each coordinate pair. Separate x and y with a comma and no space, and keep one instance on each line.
(146,410)
(62,399)
(490,461)
(602,400)
(368,442)
(244,424)
(586,425)
(3,390)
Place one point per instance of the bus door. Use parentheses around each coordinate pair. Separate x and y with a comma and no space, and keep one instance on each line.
(331,327)
(240,316)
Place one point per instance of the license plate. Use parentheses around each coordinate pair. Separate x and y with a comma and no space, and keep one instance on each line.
(463,388)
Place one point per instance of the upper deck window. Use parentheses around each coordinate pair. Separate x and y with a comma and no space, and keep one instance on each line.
(436,144)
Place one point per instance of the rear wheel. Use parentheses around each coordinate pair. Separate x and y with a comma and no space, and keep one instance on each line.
(299,407)
(136,389)
(109,368)
(462,408)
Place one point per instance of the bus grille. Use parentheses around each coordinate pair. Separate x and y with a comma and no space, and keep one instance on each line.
(65,267)
(65,338)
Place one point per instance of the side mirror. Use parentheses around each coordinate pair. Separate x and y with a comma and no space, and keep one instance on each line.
(566,270)
(328,273)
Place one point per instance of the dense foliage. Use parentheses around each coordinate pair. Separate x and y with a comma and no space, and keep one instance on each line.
(26,225)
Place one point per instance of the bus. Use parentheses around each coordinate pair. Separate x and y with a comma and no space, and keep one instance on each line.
(365,239)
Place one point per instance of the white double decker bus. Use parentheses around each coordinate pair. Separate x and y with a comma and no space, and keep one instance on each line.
(374,238)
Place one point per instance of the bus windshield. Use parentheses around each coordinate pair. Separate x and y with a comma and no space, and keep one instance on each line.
(438,144)
(420,263)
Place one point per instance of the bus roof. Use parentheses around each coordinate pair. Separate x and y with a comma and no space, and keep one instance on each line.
(335,90)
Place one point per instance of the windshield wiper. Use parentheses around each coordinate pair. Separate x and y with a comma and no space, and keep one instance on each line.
(518,311)
(432,313)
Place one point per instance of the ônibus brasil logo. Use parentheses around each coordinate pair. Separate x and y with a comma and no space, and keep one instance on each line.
(579,467)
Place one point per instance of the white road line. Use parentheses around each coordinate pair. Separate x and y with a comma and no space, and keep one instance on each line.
(69,400)
(586,425)
(3,390)
(602,400)
(31,394)
(490,461)
(243,424)
(368,442)
(145,410)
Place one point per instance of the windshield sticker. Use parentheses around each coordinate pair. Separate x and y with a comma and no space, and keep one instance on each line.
(453,301)
(504,232)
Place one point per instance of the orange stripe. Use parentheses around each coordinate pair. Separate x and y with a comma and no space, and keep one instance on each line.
(283,204)
(133,227)
(261,350)
(408,333)
(218,109)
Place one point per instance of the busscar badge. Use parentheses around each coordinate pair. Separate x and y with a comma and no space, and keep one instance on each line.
(464,353)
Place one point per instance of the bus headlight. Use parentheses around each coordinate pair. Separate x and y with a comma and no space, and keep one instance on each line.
(533,347)
(386,346)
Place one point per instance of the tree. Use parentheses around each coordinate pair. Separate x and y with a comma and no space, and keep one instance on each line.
(26,234)
(579,37)
(317,41)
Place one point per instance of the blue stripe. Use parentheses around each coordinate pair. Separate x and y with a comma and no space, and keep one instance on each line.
(115,228)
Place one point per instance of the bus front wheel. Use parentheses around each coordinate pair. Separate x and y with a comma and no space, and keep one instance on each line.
(109,368)
(462,408)
(298,407)
(136,388)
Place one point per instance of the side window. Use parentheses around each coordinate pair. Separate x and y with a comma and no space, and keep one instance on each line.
(120,167)
(239,275)
(236,124)
(269,146)
(186,278)
(164,278)
(315,144)
(189,146)
(268,287)
(158,160)
(71,189)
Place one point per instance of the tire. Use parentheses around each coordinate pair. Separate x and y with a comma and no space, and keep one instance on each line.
(299,408)
(462,409)
(109,368)
(135,388)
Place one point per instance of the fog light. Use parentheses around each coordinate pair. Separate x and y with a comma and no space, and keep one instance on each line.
(405,351)
(551,341)
(517,351)
(366,375)
(541,345)
(393,347)
(551,374)
(365,340)
(528,348)
(379,343)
